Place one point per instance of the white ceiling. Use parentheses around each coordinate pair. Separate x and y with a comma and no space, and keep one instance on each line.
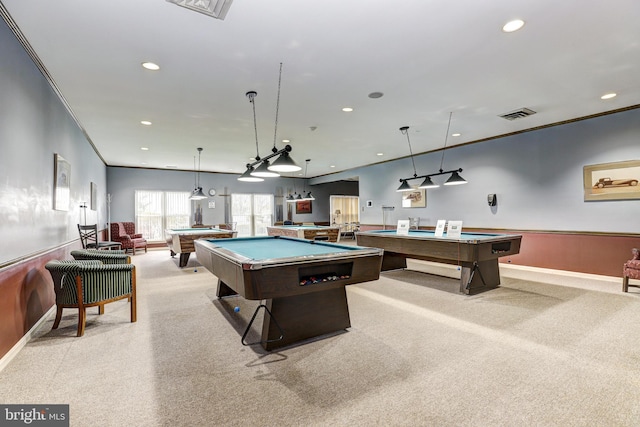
(428,57)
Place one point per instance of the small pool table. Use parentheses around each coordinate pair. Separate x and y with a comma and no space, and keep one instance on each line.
(302,281)
(310,232)
(180,240)
(473,252)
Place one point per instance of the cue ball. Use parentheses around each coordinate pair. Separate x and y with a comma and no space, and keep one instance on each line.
(236,309)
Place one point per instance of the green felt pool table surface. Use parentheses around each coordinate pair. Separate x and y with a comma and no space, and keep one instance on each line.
(302,281)
(273,248)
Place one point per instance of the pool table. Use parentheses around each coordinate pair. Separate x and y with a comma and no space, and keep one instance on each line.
(311,232)
(473,252)
(180,240)
(302,281)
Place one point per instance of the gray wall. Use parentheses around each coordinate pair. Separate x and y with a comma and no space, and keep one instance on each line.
(123,182)
(537,176)
(34,125)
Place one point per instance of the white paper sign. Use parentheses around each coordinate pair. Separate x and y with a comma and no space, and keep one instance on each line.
(454,229)
(440,227)
(403,227)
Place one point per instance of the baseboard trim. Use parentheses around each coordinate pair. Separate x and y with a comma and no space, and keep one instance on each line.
(7,358)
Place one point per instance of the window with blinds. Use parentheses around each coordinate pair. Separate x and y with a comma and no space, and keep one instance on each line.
(252,213)
(158,210)
(345,210)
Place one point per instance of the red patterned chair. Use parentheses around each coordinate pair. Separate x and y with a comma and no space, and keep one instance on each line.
(631,270)
(125,233)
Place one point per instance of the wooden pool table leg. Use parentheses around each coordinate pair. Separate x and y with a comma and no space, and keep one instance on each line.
(393,261)
(184,258)
(479,276)
(224,290)
(305,316)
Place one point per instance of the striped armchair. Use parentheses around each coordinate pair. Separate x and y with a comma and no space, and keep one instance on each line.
(90,283)
(107,257)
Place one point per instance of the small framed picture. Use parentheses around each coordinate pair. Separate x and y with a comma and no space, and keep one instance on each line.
(94,196)
(61,183)
(303,207)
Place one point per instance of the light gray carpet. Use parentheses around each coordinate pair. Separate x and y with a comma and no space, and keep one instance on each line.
(418,354)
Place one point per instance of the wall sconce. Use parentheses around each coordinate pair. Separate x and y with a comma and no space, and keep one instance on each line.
(454,179)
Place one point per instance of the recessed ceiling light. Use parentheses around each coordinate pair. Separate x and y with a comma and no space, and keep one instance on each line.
(455,134)
(332,166)
(609,96)
(145,122)
(143,163)
(379,154)
(144,148)
(512,26)
(151,66)
(286,141)
(376,95)
(347,109)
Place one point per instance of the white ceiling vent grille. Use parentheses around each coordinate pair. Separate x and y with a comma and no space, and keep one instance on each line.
(518,114)
(216,8)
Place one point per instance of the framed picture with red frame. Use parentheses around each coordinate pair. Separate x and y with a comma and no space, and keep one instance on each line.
(303,207)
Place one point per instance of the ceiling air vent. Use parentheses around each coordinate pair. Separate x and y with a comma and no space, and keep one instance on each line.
(216,8)
(518,114)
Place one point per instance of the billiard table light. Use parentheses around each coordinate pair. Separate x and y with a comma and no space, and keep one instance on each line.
(247,177)
(454,179)
(197,193)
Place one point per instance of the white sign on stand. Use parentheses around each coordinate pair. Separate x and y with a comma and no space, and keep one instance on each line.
(440,227)
(454,229)
(403,227)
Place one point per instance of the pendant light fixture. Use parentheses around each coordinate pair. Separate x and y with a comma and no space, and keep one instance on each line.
(295,197)
(306,195)
(404,186)
(197,193)
(261,171)
(261,167)
(454,179)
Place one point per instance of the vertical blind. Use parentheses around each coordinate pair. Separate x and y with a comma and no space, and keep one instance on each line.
(345,209)
(158,210)
(252,213)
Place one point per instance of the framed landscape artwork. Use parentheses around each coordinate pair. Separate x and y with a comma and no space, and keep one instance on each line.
(612,181)
(417,198)
(61,181)
(303,207)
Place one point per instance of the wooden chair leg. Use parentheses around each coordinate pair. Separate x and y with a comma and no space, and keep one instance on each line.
(625,283)
(82,311)
(134,307)
(101,309)
(58,317)
(82,318)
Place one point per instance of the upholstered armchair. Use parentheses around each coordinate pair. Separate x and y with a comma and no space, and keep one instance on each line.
(106,257)
(82,284)
(125,233)
(631,270)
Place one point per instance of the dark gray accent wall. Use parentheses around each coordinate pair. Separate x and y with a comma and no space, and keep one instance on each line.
(537,177)
(34,124)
